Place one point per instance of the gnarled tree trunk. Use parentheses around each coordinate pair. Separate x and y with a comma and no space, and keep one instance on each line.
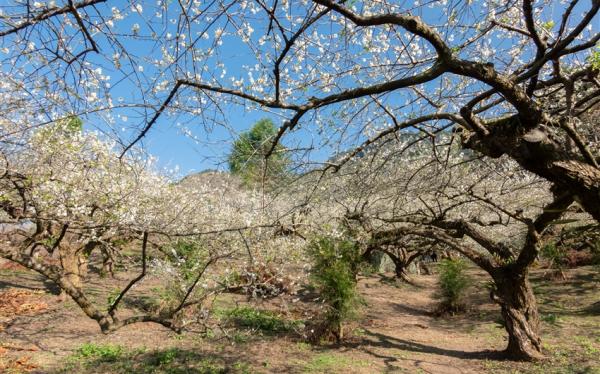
(402,258)
(400,269)
(69,261)
(519,310)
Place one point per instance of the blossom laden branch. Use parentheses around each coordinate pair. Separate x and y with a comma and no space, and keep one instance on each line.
(53,12)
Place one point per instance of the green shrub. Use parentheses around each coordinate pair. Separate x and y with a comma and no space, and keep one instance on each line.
(555,255)
(335,266)
(453,282)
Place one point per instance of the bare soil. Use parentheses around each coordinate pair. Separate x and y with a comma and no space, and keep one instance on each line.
(396,332)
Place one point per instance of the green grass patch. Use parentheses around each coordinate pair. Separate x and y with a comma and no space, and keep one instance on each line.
(102,353)
(264,321)
(551,318)
(328,363)
(589,347)
(93,358)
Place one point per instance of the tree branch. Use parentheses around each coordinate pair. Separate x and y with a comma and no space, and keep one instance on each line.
(49,13)
(115,304)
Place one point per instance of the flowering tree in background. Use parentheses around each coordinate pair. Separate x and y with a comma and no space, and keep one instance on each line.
(517,78)
(66,195)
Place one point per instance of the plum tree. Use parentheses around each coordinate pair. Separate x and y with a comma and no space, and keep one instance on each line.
(516,81)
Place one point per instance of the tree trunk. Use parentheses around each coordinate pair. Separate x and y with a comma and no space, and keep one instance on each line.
(69,261)
(519,310)
(401,263)
(400,268)
(107,267)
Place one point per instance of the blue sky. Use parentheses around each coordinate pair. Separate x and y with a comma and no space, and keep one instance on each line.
(172,148)
(166,141)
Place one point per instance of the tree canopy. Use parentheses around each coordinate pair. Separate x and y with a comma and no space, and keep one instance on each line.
(248,157)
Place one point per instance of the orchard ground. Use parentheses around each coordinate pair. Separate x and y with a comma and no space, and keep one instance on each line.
(396,331)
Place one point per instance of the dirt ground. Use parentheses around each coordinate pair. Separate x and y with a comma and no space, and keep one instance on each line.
(395,333)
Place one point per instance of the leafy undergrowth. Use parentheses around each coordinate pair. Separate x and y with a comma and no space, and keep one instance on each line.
(256,320)
(92,358)
(397,333)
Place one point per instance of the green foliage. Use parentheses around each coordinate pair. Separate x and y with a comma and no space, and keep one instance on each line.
(166,357)
(594,59)
(112,297)
(103,353)
(73,124)
(94,358)
(554,254)
(335,266)
(453,282)
(63,128)
(248,155)
(189,255)
(550,318)
(49,242)
(548,25)
(259,320)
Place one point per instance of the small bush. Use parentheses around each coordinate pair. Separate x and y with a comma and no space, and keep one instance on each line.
(183,263)
(554,255)
(335,266)
(453,283)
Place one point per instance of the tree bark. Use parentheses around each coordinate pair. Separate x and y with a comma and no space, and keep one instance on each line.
(402,260)
(400,268)
(542,155)
(69,261)
(519,310)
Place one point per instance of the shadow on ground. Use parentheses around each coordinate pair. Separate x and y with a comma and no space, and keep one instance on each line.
(115,359)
